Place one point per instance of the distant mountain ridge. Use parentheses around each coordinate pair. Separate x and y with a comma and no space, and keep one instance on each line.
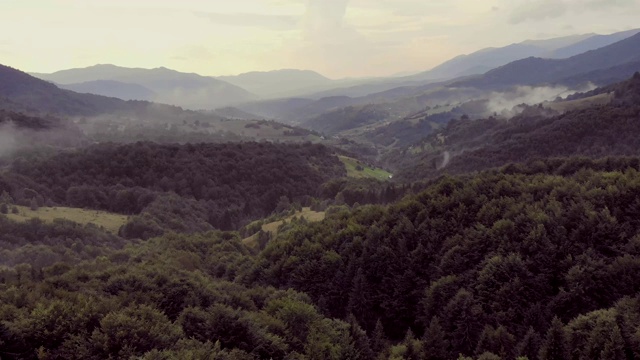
(20,91)
(532,70)
(187,90)
(484,60)
(112,88)
(284,82)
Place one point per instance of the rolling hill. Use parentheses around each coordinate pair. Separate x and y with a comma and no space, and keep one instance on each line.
(187,90)
(280,83)
(20,91)
(111,88)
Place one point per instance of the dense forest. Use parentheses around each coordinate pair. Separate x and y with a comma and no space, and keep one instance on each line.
(217,185)
(537,260)
(522,243)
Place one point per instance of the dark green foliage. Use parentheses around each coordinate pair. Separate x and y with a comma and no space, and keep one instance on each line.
(4,209)
(378,339)
(165,298)
(436,346)
(184,188)
(529,346)
(554,345)
(493,256)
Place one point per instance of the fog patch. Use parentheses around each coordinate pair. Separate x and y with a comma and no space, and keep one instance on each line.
(509,103)
(446,158)
(8,141)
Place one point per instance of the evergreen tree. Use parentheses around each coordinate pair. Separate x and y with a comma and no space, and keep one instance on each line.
(553,347)
(435,345)
(529,346)
(614,349)
(378,338)
(413,346)
(361,344)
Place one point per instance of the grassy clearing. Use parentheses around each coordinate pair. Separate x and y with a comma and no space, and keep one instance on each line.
(570,105)
(109,221)
(367,172)
(307,213)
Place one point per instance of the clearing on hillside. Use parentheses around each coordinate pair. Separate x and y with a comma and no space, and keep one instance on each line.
(307,213)
(357,169)
(109,221)
(578,104)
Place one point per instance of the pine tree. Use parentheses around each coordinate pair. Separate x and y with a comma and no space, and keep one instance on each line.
(361,344)
(378,339)
(553,347)
(529,346)
(614,348)
(435,345)
(358,298)
(412,345)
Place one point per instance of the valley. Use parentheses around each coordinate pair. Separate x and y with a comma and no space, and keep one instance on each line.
(484,209)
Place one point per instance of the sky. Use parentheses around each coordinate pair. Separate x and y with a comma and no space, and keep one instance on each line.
(338,38)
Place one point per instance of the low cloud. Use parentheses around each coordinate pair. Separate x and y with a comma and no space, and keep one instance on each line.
(506,103)
(537,10)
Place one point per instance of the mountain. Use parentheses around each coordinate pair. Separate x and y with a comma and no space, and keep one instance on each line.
(20,91)
(187,90)
(591,43)
(465,145)
(534,70)
(112,88)
(279,83)
(484,60)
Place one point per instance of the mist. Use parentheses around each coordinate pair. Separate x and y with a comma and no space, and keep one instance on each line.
(506,103)
(446,159)
(8,142)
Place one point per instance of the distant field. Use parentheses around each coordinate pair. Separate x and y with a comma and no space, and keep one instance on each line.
(580,103)
(307,213)
(367,172)
(110,222)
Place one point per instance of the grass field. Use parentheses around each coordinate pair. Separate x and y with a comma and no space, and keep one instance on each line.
(367,172)
(110,222)
(570,105)
(309,215)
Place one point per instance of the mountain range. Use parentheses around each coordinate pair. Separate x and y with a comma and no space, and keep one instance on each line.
(484,60)
(188,90)
(534,70)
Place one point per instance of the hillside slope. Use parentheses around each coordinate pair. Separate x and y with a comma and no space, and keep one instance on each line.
(471,145)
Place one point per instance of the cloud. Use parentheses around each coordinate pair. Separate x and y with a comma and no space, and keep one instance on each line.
(538,10)
(550,9)
(272,22)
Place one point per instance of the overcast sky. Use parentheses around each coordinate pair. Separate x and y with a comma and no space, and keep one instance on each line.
(338,38)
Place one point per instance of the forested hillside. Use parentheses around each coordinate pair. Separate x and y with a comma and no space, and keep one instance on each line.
(502,238)
(473,145)
(483,264)
(537,261)
(191,187)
